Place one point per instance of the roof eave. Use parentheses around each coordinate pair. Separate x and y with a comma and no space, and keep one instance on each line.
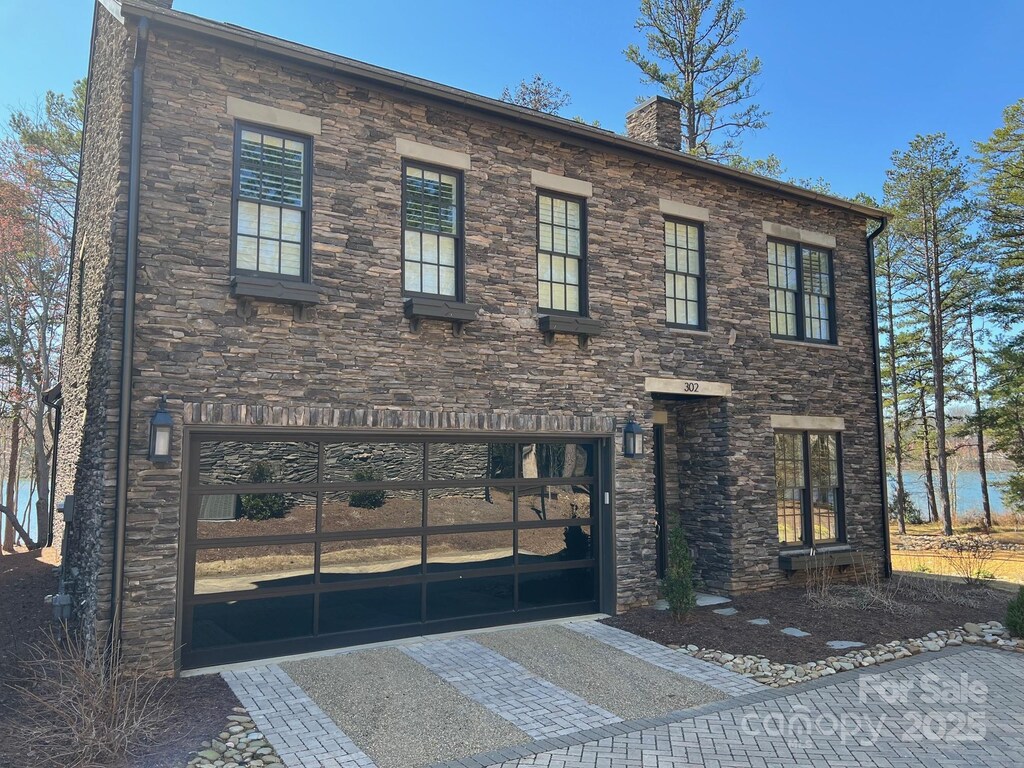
(264,43)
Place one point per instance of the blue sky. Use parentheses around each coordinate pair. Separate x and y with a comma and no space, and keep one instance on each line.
(845,83)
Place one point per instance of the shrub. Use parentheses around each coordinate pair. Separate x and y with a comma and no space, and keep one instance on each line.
(577,543)
(922,568)
(1015,615)
(366,499)
(85,710)
(678,587)
(969,557)
(262,506)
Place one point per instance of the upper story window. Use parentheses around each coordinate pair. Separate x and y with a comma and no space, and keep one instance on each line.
(272,191)
(684,274)
(432,231)
(808,488)
(801,297)
(561,254)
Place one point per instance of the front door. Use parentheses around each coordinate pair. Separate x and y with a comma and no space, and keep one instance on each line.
(659,499)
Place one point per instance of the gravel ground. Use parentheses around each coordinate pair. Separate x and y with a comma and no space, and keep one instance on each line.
(397,712)
(623,684)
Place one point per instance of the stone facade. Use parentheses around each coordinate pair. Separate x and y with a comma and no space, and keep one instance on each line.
(354,361)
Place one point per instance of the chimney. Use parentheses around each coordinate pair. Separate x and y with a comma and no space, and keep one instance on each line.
(657,121)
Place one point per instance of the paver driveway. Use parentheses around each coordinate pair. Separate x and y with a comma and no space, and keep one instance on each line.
(583,695)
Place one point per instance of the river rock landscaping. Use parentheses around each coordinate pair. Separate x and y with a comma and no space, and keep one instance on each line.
(792,635)
(239,745)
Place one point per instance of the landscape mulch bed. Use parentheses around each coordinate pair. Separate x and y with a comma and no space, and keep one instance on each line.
(917,614)
(197,707)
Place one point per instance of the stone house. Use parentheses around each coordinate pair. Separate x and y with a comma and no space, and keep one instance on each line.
(352,355)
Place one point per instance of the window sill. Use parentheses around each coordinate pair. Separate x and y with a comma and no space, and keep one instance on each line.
(458,313)
(575,325)
(688,329)
(829,556)
(270,289)
(811,344)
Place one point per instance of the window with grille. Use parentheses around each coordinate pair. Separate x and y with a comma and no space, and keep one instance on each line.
(800,292)
(272,189)
(431,227)
(684,274)
(808,485)
(561,254)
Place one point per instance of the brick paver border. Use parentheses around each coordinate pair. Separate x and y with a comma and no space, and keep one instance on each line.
(632,726)
(301,733)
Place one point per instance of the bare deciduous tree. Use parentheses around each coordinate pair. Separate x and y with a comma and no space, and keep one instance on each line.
(537,93)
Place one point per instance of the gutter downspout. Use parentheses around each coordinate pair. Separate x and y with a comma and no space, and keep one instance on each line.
(878,389)
(128,337)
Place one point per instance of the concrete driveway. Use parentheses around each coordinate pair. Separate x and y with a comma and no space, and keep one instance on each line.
(580,694)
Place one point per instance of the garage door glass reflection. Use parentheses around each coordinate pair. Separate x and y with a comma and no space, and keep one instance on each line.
(466,551)
(370,559)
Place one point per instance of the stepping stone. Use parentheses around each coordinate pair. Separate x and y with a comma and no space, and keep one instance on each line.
(725,611)
(794,632)
(843,645)
(661,605)
(704,600)
(759,622)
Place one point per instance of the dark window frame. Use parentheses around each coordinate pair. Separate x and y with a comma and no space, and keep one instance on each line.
(702,312)
(806,501)
(460,239)
(306,271)
(583,258)
(801,330)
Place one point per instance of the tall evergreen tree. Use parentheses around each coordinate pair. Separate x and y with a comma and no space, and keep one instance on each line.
(928,188)
(693,55)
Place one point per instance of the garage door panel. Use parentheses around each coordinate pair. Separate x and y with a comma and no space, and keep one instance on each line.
(259,515)
(470,506)
(242,569)
(470,597)
(555,545)
(237,462)
(557,587)
(239,622)
(464,551)
(555,502)
(372,509)
(368,462)
(359,609)
(472,461)
(370,558)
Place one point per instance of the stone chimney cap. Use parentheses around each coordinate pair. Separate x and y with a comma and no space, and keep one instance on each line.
(655,100)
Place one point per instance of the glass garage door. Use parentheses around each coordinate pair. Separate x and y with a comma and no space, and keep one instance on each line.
(294,545)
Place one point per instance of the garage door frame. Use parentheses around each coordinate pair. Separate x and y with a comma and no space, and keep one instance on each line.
(602,528)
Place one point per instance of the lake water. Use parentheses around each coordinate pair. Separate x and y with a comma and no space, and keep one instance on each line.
(26,499)
(968,491)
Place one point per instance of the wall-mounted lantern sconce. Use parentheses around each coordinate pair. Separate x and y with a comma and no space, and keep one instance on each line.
(160,434)
(632,439)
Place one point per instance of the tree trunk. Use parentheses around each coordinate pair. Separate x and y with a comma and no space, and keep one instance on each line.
(11,501)
(929,479)
(10,516)
(938,333)
(976,386)
(897,426)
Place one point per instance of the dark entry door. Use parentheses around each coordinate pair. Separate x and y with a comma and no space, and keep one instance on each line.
(341,540)
(659,499)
